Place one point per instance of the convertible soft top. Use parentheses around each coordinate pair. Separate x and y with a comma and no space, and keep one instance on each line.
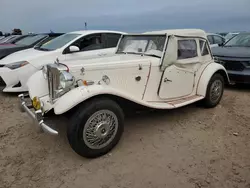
(181,32)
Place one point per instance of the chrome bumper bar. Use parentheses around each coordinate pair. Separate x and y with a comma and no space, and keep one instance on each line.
(36,117)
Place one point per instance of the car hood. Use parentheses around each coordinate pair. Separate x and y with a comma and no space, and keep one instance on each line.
(111,59)
(235,52)
(24,55)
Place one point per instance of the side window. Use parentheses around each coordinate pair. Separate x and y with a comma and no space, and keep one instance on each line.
(210,39)
(111,40)
(89,42)
(203,47)
(187,49)
(218,40)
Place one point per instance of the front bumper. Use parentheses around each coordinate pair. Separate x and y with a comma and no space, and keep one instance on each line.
(36,116)
(15,80)
(8,79)
(239,77)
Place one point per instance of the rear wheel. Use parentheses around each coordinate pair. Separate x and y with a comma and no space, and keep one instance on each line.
(96,127)
(215,91)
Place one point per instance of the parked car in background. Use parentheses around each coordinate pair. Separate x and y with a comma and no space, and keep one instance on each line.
(27,42)
(1,38)
(230,35)
(16,31)
(161,70)
(13,40)
(16,68)
(8,38)
(222,34)
(215,39)
(235,57)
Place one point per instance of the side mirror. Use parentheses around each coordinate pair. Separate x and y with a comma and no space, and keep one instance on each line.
(74,49)
(221,44)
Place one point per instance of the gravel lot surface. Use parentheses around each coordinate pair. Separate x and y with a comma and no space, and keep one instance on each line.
(190,147)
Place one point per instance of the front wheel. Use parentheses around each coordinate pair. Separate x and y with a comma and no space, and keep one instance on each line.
(215,89)
(96,127)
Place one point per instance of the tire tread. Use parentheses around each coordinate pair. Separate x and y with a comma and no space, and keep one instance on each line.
(82,113)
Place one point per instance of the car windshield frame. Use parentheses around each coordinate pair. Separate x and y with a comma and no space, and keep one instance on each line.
(146,41)
(48,46)
(233,41)
(30,40)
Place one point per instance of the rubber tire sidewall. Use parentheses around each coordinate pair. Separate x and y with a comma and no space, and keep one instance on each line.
(78,120)
(207,101)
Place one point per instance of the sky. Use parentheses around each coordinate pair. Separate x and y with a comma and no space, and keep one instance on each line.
(128,15)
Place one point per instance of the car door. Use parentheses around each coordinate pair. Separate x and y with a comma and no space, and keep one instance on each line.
(178,79)
(93,45)
(211,41)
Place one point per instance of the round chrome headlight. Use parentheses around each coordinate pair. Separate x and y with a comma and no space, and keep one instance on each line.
(45,71)
(66,79)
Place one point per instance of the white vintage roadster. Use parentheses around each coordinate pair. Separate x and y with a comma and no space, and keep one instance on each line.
(161,70)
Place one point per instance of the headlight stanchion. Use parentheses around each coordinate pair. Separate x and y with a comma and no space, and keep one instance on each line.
(45,72)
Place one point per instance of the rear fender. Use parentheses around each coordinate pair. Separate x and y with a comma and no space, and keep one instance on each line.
(207,74)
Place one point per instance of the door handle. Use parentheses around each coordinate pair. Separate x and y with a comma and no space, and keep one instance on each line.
(167,80)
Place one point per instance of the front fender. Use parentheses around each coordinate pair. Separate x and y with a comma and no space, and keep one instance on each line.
(37,85)
(207,73)
(80,94)
(3,54)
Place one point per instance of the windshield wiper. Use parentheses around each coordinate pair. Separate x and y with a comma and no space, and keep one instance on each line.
(42,49)
(129,53)
(133,53)
(153,55)
(235,46)
(121,52)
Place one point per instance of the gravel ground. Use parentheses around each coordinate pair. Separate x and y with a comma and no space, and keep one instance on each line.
(189,147)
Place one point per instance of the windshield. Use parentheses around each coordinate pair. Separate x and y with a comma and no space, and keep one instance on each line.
(242,40)
(7,38)
(230,35)
(30,39)
(142,44)
(59,42)
(15,39)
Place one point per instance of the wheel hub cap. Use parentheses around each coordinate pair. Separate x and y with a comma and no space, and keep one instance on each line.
(100,129)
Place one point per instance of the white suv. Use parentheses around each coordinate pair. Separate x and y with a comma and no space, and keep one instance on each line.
(16,68)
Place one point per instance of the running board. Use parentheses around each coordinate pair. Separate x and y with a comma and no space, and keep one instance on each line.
(171,104)
(185,101)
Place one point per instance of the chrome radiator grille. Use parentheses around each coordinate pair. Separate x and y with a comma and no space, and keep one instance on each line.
(53,80)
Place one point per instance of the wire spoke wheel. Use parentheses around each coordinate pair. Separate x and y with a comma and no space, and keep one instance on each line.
(216,90)
(100,129)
